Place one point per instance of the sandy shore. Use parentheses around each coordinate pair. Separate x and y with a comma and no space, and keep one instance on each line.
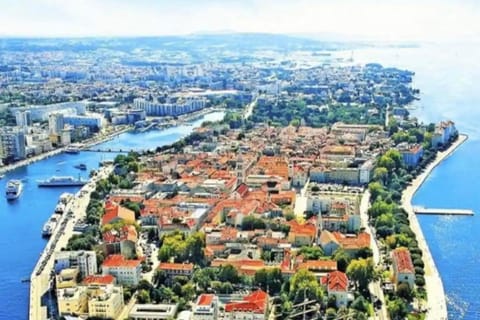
(437,306)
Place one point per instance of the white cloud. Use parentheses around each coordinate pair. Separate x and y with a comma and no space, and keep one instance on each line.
(387,20)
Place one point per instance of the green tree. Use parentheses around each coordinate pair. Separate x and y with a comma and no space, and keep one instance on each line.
(342,258)
(361,272)
(397,309)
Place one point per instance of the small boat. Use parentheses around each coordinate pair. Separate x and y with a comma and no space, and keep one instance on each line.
(2,176)
(81,166)
(14,189)
(72,150)
(26,280)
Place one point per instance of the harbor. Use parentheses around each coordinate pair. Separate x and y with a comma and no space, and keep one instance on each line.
(24,218)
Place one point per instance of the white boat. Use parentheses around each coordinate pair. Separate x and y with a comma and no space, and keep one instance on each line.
(50,226)
(58,181)
(14,189)
(73,148)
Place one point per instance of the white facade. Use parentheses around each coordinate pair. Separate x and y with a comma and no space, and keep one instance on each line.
(94,121)
(56,123)
(126,275)
(170,109)
(12,144)
(105,302)
(86,261)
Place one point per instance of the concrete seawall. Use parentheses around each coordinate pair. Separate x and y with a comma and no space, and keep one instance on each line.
(437,306)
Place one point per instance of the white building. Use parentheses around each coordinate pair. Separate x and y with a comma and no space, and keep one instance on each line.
(206,307)
(170,109)
(105,301)
(23,118)
(94,121)
(153,312)
(86,261)
(12,144)
(127,272)
(56,123)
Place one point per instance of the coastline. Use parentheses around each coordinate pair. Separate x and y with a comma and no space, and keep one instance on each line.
(88,142)
(436,302)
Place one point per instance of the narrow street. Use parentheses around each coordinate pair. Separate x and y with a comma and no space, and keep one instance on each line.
(374,287)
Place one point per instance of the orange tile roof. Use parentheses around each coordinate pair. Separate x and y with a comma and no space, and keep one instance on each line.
(336,281)
(175,266)
(99,280)
(403,260)
(320,265)
(117,260)
(205,299)
(256,302)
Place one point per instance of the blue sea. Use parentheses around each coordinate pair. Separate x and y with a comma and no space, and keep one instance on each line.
(449,79)
(22,220)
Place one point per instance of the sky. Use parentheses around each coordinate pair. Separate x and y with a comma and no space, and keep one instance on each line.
(387,20)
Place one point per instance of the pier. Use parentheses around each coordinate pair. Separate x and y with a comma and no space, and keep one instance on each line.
(439,211)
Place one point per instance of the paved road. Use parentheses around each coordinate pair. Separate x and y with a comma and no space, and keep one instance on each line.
(374,287)
(39,284)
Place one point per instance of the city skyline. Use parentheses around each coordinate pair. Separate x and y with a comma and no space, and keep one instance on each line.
(347,19)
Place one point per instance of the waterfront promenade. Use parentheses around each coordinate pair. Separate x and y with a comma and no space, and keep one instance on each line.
(41,274)
(437,306)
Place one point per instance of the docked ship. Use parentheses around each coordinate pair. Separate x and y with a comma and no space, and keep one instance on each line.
(57,181)
(74,148)
(14,189)
(50,226)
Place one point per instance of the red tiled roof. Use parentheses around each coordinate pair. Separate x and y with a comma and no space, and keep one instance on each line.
(336,281)
(403,260)
(175,266)
(117,260)
(205,299)
(320,265)
(256,302)
(107,279)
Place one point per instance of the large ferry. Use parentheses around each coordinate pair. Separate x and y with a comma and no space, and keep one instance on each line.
(57,181)
(14,189)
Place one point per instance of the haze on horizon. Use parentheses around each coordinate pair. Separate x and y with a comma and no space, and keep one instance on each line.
(408,20)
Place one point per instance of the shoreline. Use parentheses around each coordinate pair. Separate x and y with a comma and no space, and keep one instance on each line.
(89,142)
(436,301)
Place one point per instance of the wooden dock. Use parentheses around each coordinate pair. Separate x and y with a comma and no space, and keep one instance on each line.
(438,211)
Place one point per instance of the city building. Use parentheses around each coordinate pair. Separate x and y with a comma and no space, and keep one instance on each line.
(93,122)
(23,118)
(206,307)
(182,106)
(403,269)
(72,301)
(56,123)
(41,112)
(85,261)
(173,270)
(105,301)
(153,312)
(12,144)
(411,154)
(337,286)
(127,272)
(253,307)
